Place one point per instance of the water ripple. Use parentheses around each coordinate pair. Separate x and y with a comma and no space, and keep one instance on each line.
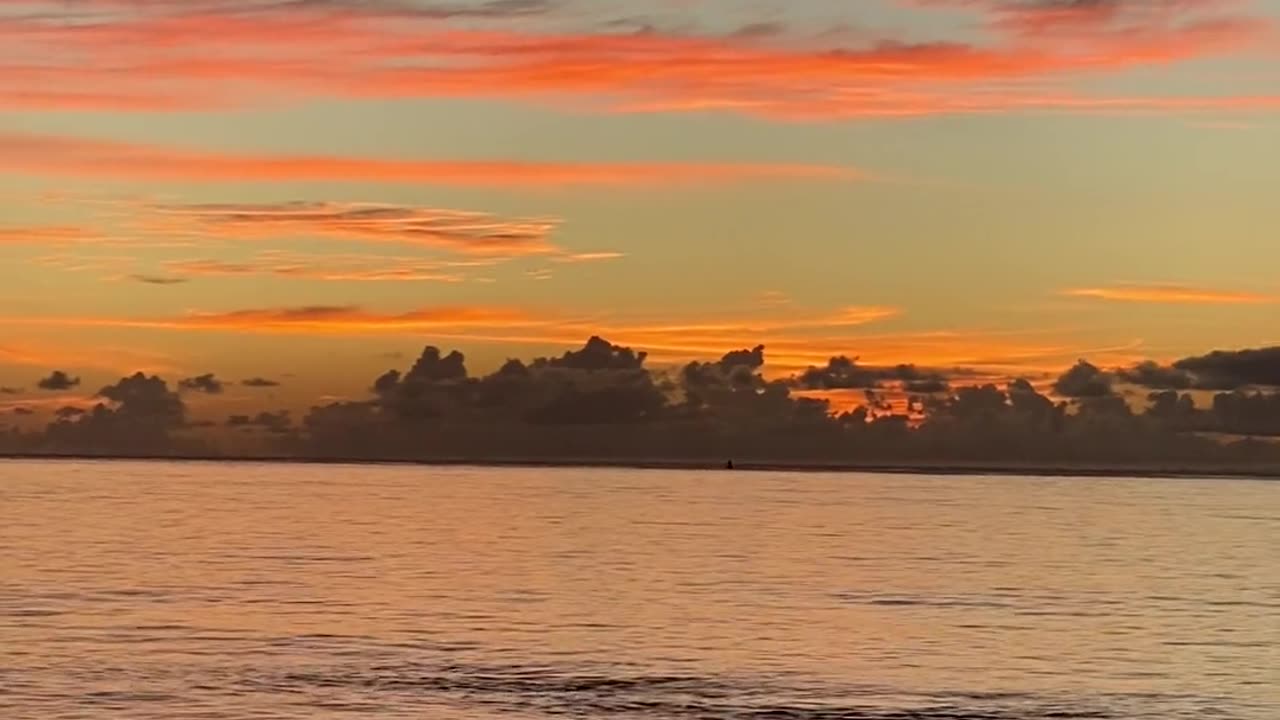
(609,693)
(152,591)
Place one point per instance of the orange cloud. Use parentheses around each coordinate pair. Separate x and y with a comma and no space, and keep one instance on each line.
(165,56)
(48,235)
(585,257)
(316,320)
(793,340)
(51,155)
(471,233)
(97,357)
(485,239)
(352,319)
(1170,294)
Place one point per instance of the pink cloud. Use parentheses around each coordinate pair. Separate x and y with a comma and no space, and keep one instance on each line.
(53,155)
(208,56)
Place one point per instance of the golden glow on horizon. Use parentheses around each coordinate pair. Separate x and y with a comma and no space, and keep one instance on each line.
(790,345)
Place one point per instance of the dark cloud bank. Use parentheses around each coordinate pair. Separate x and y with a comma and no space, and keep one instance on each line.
(602,402)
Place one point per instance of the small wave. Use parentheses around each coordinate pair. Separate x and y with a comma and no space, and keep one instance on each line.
(551,691)
(857,598)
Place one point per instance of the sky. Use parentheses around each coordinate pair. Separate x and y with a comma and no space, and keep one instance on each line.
(308,191)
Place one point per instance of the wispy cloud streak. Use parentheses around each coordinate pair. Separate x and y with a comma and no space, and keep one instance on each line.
(469,233)
(166,55)
(794,339)
(351,268)
(1171,294)
(81,157)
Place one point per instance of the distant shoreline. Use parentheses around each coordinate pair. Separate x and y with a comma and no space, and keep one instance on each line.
(975,469)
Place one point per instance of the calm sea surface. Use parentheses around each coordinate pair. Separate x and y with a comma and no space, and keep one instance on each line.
(165,591)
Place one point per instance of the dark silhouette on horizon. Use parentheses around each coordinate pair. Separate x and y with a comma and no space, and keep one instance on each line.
(601,402)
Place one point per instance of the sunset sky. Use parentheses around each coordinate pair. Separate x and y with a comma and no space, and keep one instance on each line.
(308,191)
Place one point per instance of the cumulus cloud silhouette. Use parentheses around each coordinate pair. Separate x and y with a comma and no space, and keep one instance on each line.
(58,380)
(1230,369)
(600,383)
(1083,380)
(735,370)
(272,422)
(597,354)
(1218,370)
(431,367)
(1151,374)
(602,401)
(259,382)
(206,383)
(752,359)
(138,415)
(143,397)
(843,373)
(840,373)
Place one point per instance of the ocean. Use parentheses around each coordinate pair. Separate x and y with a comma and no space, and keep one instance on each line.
(165,591)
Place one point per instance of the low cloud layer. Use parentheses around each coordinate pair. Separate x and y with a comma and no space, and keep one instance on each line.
(1218,370)
(1236,368)
(608,401)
